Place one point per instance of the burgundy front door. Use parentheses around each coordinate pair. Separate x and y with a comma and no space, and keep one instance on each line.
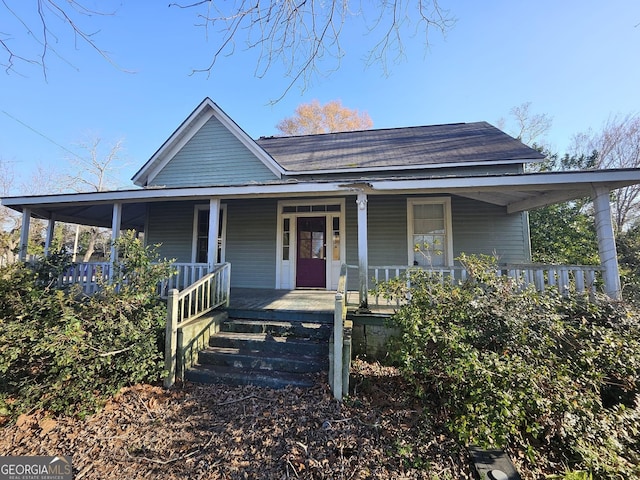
(311,261)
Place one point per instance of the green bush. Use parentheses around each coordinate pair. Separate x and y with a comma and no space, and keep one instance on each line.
(65,352)
(552,377)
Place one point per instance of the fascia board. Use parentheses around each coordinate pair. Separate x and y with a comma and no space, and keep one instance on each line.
(535,181)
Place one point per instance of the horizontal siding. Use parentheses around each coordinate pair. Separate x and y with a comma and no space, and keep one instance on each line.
(388,230)
(170,224)
(214,156)
(482,228)
(251,242)
(478,228)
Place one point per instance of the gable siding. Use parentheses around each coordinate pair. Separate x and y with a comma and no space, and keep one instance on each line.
(170,224)
(251,242)
(214,156)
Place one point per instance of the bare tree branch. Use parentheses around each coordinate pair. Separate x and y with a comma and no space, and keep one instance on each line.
(305,35)
(48,13)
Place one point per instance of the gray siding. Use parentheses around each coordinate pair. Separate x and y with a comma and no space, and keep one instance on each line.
(251,242)
(478,228)
(482,228)
(214,156)
(170,224)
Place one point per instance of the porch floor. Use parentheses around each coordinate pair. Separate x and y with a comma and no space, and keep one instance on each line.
(322,301)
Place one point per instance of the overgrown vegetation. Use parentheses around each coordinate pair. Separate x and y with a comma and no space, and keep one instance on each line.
(554,379)
(64,352)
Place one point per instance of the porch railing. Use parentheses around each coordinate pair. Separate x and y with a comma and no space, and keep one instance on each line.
(206,294)
(568,279)
(186,274)
(88,276)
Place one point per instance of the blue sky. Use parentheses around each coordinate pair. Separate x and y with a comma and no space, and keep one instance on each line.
(575,60)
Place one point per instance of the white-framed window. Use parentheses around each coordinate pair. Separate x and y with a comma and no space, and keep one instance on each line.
(200,246)
(429,231)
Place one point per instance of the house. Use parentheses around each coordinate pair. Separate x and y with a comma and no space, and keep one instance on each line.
(287,212)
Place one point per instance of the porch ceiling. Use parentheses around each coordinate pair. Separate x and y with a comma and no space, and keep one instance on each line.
(96,215)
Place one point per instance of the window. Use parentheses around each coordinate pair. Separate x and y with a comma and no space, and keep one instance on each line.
(429,224)
(201,234)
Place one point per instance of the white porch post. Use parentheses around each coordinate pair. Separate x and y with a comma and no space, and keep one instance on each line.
(606,242)
(214,220)
(363,249)
(24,234)
(51,225)
(116,220)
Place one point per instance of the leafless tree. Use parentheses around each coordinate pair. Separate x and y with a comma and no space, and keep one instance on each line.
(46,22)
(528,127)
(618,146)
(305,36)
(299,35)
(95,172)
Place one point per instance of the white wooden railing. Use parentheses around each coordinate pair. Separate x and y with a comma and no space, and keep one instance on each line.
(186,274)
(206,294)
(88,276)
(568,279)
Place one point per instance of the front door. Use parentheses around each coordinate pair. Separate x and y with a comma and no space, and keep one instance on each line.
(311,260)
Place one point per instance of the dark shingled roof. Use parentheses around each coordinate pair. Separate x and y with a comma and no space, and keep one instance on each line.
(410,147)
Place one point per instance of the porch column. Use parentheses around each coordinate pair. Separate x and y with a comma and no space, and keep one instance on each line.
(116,220)
(24,233)
(606,242)
(51,225)
(214,220)
(363,249)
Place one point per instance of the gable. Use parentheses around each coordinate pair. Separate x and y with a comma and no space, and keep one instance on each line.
(212,156)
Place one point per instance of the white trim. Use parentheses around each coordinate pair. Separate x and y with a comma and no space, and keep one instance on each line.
(293,232)
(222,234)
(446,202)
(201,115)
(527,182)
(419,166)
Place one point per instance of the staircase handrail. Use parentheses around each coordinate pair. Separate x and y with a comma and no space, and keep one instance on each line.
(200,298)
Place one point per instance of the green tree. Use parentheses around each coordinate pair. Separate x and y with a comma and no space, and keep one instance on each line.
(565,233)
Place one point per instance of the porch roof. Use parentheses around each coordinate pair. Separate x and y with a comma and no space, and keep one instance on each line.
(515,192)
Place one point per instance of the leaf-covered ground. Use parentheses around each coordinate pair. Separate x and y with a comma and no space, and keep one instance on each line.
(215,431)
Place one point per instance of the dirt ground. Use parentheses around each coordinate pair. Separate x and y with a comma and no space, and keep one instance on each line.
(216,431)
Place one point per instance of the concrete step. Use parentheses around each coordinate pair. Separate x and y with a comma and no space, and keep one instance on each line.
(265,342)
(239,376)
(321,331)
(260,360)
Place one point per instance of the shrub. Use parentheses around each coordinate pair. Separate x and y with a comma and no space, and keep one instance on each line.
(553,377)
(65,352)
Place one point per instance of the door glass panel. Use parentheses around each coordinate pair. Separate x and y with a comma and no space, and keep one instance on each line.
(336,238)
